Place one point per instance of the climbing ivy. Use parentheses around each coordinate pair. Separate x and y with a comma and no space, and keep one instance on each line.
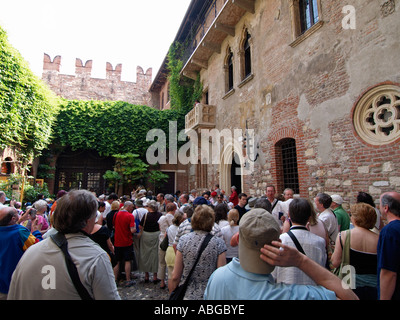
(111,127)
(27,106)
(183,97)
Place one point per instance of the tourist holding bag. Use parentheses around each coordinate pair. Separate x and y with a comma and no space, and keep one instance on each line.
(188,258)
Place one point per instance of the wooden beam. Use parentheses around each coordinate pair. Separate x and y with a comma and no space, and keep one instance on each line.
(225,28)
(201,63)
(247,5)
(212,46)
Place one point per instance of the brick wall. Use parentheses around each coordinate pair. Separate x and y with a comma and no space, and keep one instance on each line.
(312,90)
(82,86)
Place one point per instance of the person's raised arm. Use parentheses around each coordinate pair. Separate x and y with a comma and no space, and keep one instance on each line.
(285,256)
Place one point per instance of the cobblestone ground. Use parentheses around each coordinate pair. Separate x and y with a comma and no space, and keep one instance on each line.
(142,290)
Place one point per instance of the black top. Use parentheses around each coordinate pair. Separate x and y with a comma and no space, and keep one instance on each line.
(242,211)
(101,237)
(151,223)
(364,263)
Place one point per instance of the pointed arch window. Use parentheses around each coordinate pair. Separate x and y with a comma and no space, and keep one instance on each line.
(247,55)
(229,71)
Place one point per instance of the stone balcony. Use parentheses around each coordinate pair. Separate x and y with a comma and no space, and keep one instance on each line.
(200,117)
(220,22)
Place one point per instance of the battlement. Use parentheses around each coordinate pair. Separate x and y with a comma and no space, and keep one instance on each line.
(82,86)
(80,68)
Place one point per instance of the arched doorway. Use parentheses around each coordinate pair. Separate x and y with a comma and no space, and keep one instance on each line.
(81,169)
(236,173)
(231,166)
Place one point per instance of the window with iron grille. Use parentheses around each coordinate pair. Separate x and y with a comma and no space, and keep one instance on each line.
(289,165)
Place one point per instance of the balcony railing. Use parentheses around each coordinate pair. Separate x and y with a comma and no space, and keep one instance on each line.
(201,116)
(201,26)
(213,25)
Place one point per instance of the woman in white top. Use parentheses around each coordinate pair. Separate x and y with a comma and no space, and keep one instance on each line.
(171,233)
(221,212)
(315,225)
(299,236)
(164,222)
(227,233)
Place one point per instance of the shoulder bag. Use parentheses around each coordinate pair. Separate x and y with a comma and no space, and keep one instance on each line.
(345,254)
(179,292)
(164,244)
(61,241)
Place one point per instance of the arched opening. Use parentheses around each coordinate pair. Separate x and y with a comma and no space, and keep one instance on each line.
(7,166)
(231,168)
(236,173)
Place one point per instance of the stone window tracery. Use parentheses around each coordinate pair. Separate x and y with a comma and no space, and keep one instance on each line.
(376,115)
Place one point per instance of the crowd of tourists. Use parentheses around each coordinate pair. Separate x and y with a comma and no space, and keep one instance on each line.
(206,245)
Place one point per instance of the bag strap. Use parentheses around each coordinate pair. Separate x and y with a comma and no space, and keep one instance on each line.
(115,217)
(145,218)
(203,246)
(346,249)
(296,242)
(61,241)
(273,207)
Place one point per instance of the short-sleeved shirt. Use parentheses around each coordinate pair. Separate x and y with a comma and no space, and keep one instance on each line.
(343,218)
(123,222)
(331,223)
(189,245)
(227,233)
(314,248)
(232,282)
(389,253)
(43,265)
(186,227)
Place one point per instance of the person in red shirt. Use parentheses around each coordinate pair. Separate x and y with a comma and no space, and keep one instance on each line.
(124,225)
(234,196)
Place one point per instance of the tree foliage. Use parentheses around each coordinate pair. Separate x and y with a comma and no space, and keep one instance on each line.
(27,106)
(128,169)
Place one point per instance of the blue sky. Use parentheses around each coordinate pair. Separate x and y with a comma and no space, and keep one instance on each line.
(131,32)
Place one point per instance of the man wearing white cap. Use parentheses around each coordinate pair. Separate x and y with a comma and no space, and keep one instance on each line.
(250,277)
(342,216)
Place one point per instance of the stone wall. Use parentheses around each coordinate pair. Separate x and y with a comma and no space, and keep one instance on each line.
(82,86)
(308,91)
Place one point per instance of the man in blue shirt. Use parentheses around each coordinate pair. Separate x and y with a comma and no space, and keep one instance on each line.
(389,248)
(14,240)
(250,277)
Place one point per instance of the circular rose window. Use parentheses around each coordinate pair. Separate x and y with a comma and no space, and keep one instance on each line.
(376,116)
